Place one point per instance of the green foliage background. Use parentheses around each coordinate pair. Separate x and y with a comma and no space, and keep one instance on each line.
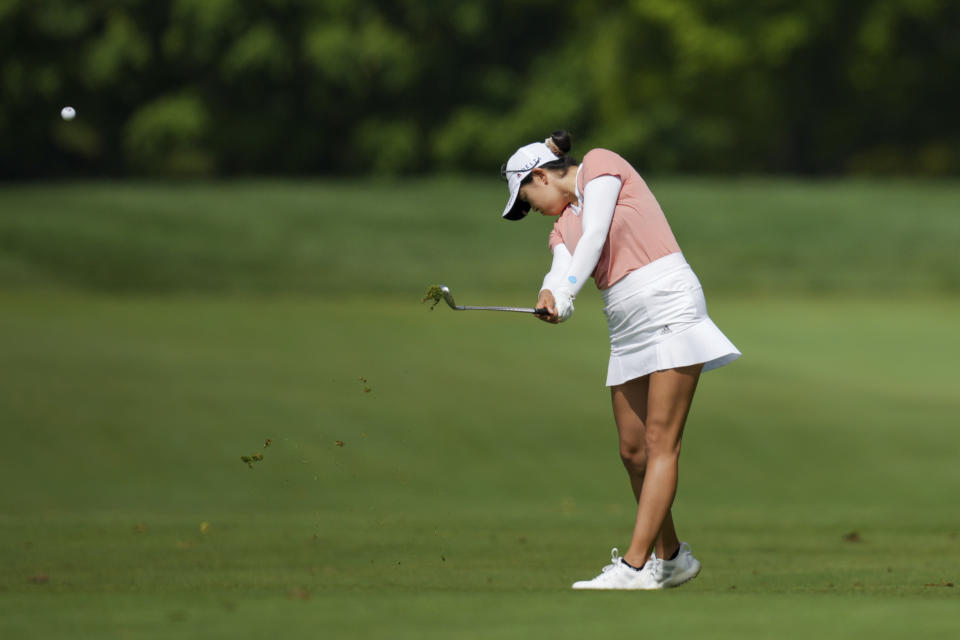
(201,87)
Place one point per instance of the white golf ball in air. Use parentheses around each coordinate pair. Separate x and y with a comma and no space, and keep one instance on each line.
(68,113)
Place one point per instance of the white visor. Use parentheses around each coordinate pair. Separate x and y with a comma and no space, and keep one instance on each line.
(518,167)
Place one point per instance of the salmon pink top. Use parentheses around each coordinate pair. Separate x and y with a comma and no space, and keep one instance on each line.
(639,233)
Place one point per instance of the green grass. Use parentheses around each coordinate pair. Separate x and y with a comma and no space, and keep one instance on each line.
(473,485)
(383,238)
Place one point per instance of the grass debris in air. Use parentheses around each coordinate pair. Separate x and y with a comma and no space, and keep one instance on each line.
(435,293)
(251,459)
(257,456)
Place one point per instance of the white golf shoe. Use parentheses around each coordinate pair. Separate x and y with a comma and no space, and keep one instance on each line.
(618,575)
(683,568)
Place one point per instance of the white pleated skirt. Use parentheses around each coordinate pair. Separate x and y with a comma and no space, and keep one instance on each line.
(657,317)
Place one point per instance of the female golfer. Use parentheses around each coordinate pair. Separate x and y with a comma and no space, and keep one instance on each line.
(610,226)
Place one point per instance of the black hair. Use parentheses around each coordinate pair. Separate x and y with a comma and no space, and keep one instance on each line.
(561,139)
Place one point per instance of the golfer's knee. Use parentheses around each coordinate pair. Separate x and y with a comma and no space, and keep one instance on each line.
(634,457)
(661,440)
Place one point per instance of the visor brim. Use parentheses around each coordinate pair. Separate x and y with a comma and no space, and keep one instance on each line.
(518,211)
(516,208)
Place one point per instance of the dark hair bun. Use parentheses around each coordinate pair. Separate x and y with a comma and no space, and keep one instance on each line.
(562,139)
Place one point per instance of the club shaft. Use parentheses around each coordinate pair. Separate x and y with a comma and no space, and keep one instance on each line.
(515,309)
(448,298)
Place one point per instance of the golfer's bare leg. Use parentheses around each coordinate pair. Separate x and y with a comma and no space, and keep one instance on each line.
(668,403)
(630,410)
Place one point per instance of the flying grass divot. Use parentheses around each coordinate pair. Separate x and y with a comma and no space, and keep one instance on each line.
(251,459)
(435,293)
(255,457)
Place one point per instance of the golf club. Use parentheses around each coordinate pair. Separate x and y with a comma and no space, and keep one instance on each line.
(453,305)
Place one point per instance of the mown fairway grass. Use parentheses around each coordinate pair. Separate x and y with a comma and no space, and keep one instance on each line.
(478,476)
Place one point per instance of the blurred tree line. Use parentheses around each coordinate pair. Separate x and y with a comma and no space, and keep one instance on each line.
(225,87)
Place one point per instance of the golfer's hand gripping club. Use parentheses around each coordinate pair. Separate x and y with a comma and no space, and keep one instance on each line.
(548,303)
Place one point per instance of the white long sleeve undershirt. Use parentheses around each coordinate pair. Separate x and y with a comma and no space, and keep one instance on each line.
(568,272)
(561,261)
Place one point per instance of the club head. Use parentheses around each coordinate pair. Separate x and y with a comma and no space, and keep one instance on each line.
(447,296)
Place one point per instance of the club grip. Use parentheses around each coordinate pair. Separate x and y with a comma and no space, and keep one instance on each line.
(541,311)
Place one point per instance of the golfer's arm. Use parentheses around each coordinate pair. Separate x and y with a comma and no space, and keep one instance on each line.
(599,202)
(561,262)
